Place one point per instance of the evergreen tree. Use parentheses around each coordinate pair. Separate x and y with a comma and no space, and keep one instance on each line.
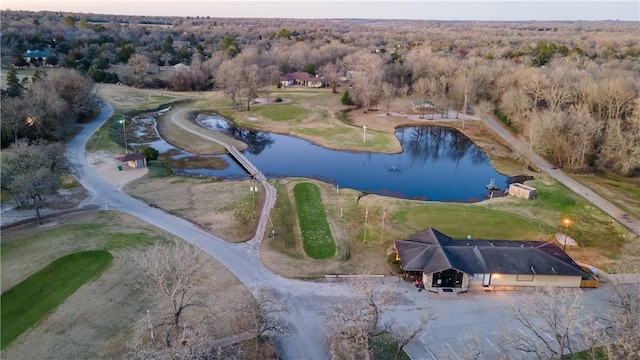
(346,99)
(310,68)
(167,46)
(13,84)
(150,153)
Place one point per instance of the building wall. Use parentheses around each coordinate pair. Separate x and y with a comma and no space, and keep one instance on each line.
(535,280)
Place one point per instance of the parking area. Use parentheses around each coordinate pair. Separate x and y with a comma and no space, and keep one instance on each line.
(480,325)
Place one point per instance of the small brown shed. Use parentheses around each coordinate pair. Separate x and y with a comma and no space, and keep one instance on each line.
(132,160)
(523,191)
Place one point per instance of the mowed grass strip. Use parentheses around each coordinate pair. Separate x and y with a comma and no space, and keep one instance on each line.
(26,303)
(316,235)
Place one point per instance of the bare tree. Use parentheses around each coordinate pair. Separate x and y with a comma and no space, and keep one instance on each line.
(388,92)
(366,71)
(171,272)
(356,321)
(422,89)
(252,81)
(403,334)
(620,149)
(31,173)
(463,89)
(138,67)
(547,318)
(623,317)
(228,77)
(263,319)
(331,74)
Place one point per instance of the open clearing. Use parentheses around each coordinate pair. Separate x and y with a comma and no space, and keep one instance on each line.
(96,321)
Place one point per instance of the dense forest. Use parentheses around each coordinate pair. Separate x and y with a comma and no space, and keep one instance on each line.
(571,89)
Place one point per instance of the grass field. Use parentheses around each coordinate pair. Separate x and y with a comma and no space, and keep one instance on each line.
(316,234)
(98,320)
(289,113)
(26,303)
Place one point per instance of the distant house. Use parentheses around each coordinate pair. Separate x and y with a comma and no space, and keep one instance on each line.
(301,78)
(39,55)
(132,160)
(440,262)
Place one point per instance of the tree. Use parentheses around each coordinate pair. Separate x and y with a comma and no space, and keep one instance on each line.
(252,81)
(171,273)
(623,318)
(553,312)
(30,172)
(230,46)
(422,89)
(13,83)
(58,101)
(138,67)
(621,146)
(331,75)
(263,318)
(310,68)
(228,77)
(20,60)
(388,92)
(167,46)
(346,99)
(149,152)
(357,320)
(366,70)
(403,334)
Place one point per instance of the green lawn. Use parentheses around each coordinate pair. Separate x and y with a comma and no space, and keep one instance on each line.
(284,112)
(316,235)
(108,135)
(26,303)
(459,220)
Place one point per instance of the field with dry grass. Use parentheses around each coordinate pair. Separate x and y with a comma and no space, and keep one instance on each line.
(97,320)
(223,208)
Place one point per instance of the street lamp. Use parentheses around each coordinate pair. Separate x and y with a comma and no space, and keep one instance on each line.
(566,222)
(364,134)
(124,131)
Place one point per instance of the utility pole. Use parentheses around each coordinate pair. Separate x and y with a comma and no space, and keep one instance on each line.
(124,131)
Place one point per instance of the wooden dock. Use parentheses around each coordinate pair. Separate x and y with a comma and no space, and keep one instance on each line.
(245,163)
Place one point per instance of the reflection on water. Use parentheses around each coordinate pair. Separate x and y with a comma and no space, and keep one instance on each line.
(438,163)
(256,140)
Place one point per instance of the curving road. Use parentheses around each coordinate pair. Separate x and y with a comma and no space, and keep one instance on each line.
(241,259)
(457,321)
(632,224)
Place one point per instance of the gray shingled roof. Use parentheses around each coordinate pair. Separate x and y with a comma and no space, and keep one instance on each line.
(431,251)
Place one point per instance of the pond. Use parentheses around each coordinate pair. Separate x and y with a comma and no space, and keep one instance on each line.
(437,164)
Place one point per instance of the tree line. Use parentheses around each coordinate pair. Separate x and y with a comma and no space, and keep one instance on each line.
(570,89)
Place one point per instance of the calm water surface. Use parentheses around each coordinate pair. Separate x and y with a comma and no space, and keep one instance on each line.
(437,164)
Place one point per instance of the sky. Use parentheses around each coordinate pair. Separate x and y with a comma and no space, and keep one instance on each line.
(500,10)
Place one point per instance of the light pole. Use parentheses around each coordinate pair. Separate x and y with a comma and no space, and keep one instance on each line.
(124,131)
(566,222)
(364,134)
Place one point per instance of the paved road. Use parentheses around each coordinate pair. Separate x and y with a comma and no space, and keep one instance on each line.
(632,224)
(458,318)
